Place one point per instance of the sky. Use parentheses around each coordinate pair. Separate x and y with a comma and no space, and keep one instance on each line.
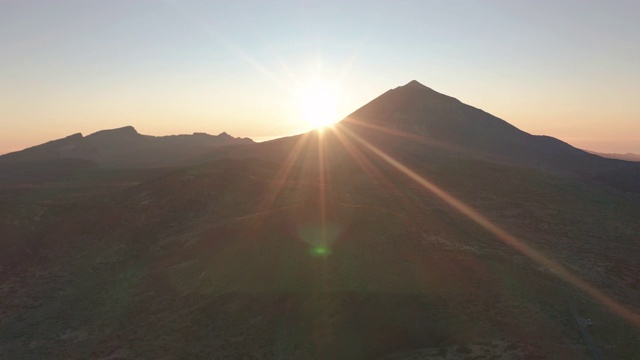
(568,69)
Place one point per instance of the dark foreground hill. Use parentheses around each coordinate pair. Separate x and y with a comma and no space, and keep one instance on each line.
(237,259)
(354,243)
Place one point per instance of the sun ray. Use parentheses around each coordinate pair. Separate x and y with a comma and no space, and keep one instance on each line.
(382,181)
(366,165)
(280,60)
(322,195)
(265,208)
(282,176)
(351,120)
(527,250)
(404,204)
(216,35)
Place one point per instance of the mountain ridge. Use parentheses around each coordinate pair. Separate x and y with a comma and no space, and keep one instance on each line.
(626,156)
(125,147)
(413,120)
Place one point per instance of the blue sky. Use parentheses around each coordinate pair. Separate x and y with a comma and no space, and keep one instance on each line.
(569,69)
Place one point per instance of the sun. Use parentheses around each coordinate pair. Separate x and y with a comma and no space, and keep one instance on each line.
(318,101)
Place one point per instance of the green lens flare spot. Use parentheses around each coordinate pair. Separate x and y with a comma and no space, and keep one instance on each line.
(320,251)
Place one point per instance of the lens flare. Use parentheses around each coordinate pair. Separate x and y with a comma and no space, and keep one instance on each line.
(320,251)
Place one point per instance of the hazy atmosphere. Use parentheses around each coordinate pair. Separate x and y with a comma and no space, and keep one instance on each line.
(569,69)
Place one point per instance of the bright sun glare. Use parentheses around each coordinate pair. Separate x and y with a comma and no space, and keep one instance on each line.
(318,101)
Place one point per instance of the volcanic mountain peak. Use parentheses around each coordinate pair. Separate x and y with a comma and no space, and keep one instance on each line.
(412,100)
(417,89)
(415,83)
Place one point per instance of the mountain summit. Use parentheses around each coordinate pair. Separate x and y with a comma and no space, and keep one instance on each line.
(411,99)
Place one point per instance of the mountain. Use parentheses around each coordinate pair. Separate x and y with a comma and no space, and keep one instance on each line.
(125,147)
(414,119)
(440,119)
(387,237)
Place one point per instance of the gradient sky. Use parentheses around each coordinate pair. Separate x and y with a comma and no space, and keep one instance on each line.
(569,69)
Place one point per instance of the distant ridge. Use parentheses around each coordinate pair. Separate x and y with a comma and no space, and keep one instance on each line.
(125,147)
(625,157)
